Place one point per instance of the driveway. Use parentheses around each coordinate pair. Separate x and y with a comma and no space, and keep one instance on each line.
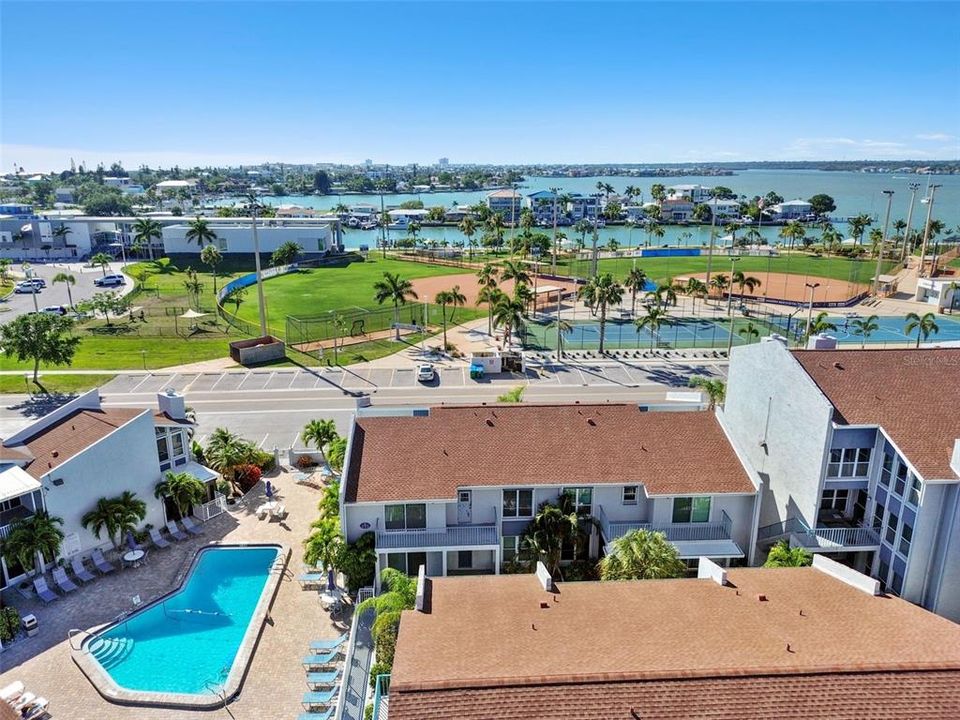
(56,294)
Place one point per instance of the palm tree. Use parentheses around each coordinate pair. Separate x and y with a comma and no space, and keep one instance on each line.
(68,280)
(636,281)
(495,227)
(865,327)
(5,264)
(655,318)
(441,299)
(397,290)
(145,231)
(858,225)
(820,324)
(719,282)
(745,281)
(194,287)
(225,452)
(487,277)
(642,555)
(398,593)
(325,543)
(665,294)
(211,257)
(61,233)
(925,326)
(716,390)
(199,230)
(749,332)
(600,292)
(103,260)
(468,226)
(116,515)
(551,528)
(28,538)
(793,231)
(696,289)
(782,555)
(563,328)
(513,270)
(654,230)
(456,299)
(183,490)
(509,313)
(319,433)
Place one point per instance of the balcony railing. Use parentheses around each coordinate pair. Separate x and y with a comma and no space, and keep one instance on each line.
(823,538)
(453,536)
(381,698)
(675,532)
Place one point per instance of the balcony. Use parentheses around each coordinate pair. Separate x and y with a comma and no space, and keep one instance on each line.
(710,539)
(849,536)
(446,537)
(8,517)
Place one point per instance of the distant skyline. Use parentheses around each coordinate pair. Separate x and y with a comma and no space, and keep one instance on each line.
(224,83)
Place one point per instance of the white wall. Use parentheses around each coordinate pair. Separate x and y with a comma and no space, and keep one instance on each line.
(355,515)
(239,239)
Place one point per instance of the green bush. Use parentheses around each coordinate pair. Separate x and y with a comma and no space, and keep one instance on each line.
(379,668)
(358,562)
(368,711)
(9,624)
(264,460)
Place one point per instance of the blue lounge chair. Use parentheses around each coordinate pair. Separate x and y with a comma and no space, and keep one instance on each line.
(43,591)
(322,679)
(62,581)
(175,532)
(312,699)
(190,526)
(80,570)
(329,644)
(326,715)
(158,540)
(311,579)
(319,660)
(100,564)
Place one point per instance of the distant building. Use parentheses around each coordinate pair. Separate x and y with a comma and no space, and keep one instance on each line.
(172,186)
(583,207)
(543,203)
(506,202)
(792,210)
(724,209)
(678,209)
(443,162)
(696,193)
(65,195)
(314,238)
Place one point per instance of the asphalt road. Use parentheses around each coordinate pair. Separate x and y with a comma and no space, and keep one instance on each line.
(56,294)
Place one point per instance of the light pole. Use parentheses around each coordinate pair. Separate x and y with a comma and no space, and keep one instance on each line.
(926,228)
(813,287)
(883,240)
(556,197)
(123,253)
(733,262)
(713,237)
(256,258)
(906,232)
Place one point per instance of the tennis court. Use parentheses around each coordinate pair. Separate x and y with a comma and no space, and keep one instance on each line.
(624,335)
(891,329)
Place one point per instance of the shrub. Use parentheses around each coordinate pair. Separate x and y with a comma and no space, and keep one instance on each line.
(10,624)
(379,668)
(142,536)
(247,477)
(197,450)
(358,562)
(305,461)
(264,460)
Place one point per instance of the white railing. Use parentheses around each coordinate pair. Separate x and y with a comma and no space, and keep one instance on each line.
(453,536)
(675,532)
(4,531)
(847,537)
(209,510)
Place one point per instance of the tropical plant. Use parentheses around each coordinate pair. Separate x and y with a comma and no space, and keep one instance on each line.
(285,254)
(554,526)
(495,227)
(319,433)
(68,280)
(925,326)
(336,453)
(782,555)
(449,297)
(5,264)
(794,232)
(655,318)
(397,290)
(226,452)
(636,281)
(719,282)
(200,232)
(211,257)
(563,328)
(145,230)
(103,260)
(513,395)
(641,555)
(183,489)
(749,332)
(509,313)
(324,544)
(716,390)
(820,324)
(745,282)
(513,270)
(599,293)
(858,225)
(696,289)
(654,230)
(398,593)
(61,233)
(865,327)
(116,516)
(194,287)
(40,337)
(28,538)
(468,226)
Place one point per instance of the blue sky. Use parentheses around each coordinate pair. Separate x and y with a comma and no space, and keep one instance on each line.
(245,82)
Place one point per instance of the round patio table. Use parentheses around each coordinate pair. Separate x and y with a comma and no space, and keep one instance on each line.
(133,557)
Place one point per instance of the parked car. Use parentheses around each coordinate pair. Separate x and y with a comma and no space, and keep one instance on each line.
(54,310)
(110,281)
(27,286)
(426,373)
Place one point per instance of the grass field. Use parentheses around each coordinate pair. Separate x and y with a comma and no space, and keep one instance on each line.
(52,383)
(954,263)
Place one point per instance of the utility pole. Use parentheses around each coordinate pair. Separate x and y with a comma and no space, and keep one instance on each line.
(713,237)
(906,232)
(806,332)
(926,229)
(883,240)
(261,305)
(556,197)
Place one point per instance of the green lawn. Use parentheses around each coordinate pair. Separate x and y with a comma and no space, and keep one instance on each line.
(53,383)
(313,291)
(954,263)
(659,269)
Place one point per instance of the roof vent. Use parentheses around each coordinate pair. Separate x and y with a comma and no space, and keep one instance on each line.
(56,453)
(544,605)
(761,597)
(489,422)
(838,366)
(591,422)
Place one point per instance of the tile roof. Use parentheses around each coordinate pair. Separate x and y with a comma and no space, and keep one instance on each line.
(912,394)
(66,438)
(428,458)
(487,648)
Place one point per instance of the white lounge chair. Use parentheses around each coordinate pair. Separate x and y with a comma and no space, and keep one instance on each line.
(96,557)
(43,590)
(158,539)
(11,691)
(278,513)
(35,709)
(175,532)
(191,527)
(80,570)
(62,581)
(25,699)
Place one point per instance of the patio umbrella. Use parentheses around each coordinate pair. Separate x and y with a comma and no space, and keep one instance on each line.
(331,581)
(269,491)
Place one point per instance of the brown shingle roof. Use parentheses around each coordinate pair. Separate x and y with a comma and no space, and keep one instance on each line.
(914,395)
(672,648)
(427,458)
(57,443)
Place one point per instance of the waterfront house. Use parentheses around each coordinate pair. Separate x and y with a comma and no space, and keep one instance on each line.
(507,203)
(454,488)
(67,460)
(544,204)
(694,193)
(678,209)
(583,207)
(724,209)
(818,642)
(792,210)
(859,453)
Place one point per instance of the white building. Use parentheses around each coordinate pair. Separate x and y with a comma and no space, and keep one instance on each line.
(583,207)
(941,292)
(507,203)
(543,204)
(454,488)
(792,210)
(676,209)
(67,460)
(314,238)
(724,209)
(695,193)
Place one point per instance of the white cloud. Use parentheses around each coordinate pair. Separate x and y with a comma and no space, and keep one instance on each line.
(936,137)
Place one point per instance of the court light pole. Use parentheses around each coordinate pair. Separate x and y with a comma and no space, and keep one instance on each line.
(906,232)
(733,262)
(254,206)
(926,228)
(883,240)
(813,287)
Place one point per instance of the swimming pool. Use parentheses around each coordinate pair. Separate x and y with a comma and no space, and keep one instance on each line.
(192,645)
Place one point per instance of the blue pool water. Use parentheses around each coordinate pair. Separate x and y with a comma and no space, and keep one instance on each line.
(187,642)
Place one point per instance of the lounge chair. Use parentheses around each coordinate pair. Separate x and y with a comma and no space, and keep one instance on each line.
(322,679)
(96,557)
(11,691)
(23,700)
(320,660)
(278,513)
(325,715)
(158,540)
(308,579)
(175,532)
(191,527)
(37,709)
(62,581)
(329,644)
(43,591)
(312,699)
(80,570)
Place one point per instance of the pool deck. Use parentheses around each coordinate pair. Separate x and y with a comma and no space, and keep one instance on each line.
(275,681)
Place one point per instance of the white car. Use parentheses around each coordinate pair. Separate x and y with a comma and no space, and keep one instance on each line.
(426,373)
(54,310)
(110,281)
(28,286)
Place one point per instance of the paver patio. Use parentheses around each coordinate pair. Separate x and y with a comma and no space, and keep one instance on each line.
(275,681)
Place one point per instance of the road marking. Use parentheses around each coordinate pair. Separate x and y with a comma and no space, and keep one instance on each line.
(222,376)
(149,375)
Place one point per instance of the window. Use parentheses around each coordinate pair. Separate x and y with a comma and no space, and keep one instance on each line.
(509,544)
(883,569)
(686,509)
(896,584)
(887,470)
(913,495)
(405,517)
(901,482)
(878,516)
(407,563)
(581,499)
(849,462)
(906,535)
(11,503)
(177,440)
(222,242)
(517,503)
(834,500)
(630,495)
(465,559)
(162,451)
(892,521)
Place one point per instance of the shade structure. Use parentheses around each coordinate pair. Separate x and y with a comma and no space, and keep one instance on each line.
(192,314)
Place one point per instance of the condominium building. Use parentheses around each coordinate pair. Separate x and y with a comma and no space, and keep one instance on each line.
(508,203)
(316,237)
(859,455)
(694,193)
(67,460)
(454,488)
(583,207)
(545,206)
(724,209)
(818,642)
